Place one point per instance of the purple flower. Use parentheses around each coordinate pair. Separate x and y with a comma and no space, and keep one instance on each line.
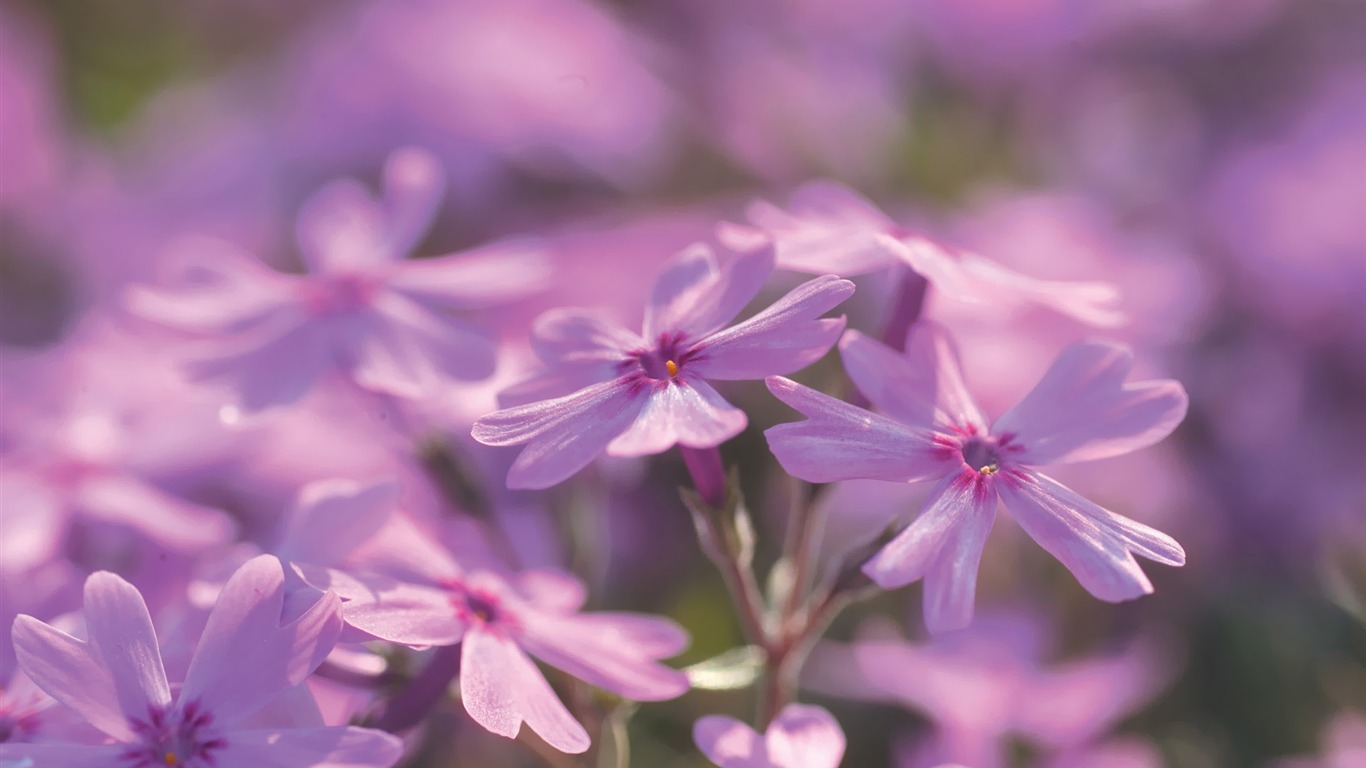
(361,308)
(498,622)
(244,659)
(832,229)
(801,736)
(640,394)
(1081,410)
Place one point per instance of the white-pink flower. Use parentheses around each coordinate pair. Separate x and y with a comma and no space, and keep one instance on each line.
(801,736)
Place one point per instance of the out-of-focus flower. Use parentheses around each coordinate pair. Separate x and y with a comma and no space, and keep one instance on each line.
(640,394)
(1081,410)
(985,684)
(244,660)
(801,736)
(362,308)
(1344,745)
(833,230)
(499,621)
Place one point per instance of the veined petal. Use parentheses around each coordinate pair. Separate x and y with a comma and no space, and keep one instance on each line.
(694,296)
(59,755)
(565,434)
(121,635)
(172,522)
(923,387)
(571,336)
(245,657)
(335,747)
(1082,409)
(679,412)
(492,274)
(960,506)
(602,649)
(501,688)
(806,736)
(333,517)
(67,670)
(409,614)
(785,337)
(726,741)
(1096,545)
(951,580)
(840,441)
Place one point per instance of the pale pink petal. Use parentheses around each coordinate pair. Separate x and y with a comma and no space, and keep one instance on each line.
(342,227)
(785,337)
(679,412)
(803,736)
(923,387)
(333,517)
(1096,545)
(940,267)
(414,183)
(407,350)
(553,591)
(602,649)
(951,579)
(60,755)
(410,614)
(169,521)
(216,288)
(67,670)
(272,366)
(1088,697)
(501,688)
(693,296)
(831,230)
(840,441)
(571,336)
(121,635)
(960,506)
(564,435)
(486,276)
(1093,303)
(245,656)
(725,740)
(1083,409)
(336,747)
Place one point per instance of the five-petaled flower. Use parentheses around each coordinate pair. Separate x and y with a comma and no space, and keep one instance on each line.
(362,308)
(1081,410)
(639,394)
(245,659)
(801,736)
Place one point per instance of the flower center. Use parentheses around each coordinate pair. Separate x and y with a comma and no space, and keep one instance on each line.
(184,738)
(664,362)
(982,456)
(477,606)
(336,294)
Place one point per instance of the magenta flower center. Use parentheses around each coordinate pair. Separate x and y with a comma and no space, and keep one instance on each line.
(336,294)
(982,455)
(662,363)
(179,737)
(473,606)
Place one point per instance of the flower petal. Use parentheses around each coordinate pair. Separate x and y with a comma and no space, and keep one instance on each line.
(806,736)
(13,755)
(725,740)
(553,591)
(67,670)
(121,635)
(1082,409)
(492,274)
(694,297)
(414,183)
(961,505)
(410,614)
(679,412)
(840,441)
(565,434)
(951,580)
(272,366)
(342,227)
(216,289)
(785,337)
(1094,303)
(34,521)
(405,349)
(923,387)
(501,688)
(1096,545)
(172,522)
(572,336)
(831,230)
(245,657)
(333,517)
(606,650)
(323,747)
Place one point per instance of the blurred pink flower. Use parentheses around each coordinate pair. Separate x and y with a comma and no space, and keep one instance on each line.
(640,394)
(801,736)
(361,309)
(244,660)
(833,230)
(1081,410)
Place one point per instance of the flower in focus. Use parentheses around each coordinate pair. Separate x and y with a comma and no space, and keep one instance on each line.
(499,621)
(361,308)
(831,229)
(244,660)
(1081,410)
(801,736)
(639,394)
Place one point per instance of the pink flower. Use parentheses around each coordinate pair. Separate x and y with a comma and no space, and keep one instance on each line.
(244,660)
(361,308)
(831,229)
(639,394)
(498,622)
(1081,410)
(801,736)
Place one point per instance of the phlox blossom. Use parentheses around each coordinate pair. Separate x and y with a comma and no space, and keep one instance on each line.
(801,736)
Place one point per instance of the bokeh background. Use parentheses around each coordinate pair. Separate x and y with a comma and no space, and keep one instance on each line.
(1207,156)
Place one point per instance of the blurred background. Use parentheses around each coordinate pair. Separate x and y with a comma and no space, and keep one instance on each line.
(1207,156)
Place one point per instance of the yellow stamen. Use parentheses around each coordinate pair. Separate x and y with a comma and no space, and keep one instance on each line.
(673,368)
(171,759)
(990,469)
